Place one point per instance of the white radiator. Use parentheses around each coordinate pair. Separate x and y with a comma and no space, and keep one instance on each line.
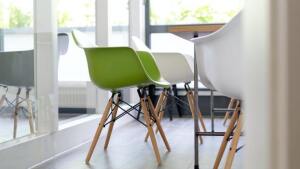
(77,95)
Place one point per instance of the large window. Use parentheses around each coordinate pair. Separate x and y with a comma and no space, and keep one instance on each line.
(72,65)
(174,12)
(120,22)
(162,16)
(165,16)
(77,94)
(17,90)
(79,13)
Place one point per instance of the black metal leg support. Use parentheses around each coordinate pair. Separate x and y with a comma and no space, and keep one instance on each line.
(212,114)
(174,88)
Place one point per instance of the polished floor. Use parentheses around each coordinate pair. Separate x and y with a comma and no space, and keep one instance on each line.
(128,150)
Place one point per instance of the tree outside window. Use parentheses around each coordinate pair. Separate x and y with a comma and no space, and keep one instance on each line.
(170,12)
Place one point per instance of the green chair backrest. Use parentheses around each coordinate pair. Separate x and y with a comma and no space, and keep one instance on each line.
(118,67)
(149,65)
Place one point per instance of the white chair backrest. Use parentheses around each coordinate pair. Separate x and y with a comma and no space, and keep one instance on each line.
(17,68)
(219,58)
(139,45)
(174,67)
(82,40)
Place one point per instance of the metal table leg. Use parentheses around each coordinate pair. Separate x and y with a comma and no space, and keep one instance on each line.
(196,124)
(212,114)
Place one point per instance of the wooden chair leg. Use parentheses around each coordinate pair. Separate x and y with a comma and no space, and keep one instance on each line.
(150,130)
(15,115)
(234,143)
(156,110)
(227,114)
(158,125)
(30,112)
(199,114)
(192,109)
(162,112)
(111,125)
(225,138)
(98,131)
(2,100)
(226,117)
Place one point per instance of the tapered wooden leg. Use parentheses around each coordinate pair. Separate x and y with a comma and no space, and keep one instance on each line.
(2,100)
(162,111)
(192,109)
(225,138)
(227,114)
(158,125)
(111,125)
(199,113)
(150,130)
(16,113)
(234,143)
(30,113)
(156,110)
(98,131)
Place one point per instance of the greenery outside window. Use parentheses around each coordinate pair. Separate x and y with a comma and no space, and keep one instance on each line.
(174,12)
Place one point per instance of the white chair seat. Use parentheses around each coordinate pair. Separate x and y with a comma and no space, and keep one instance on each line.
(219,59)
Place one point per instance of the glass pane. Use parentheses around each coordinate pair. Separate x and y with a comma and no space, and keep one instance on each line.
(170,12)
(77,95)
(17,94)
(79,13)
(120,22)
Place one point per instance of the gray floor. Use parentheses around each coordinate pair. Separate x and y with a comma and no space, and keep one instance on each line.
(128,150)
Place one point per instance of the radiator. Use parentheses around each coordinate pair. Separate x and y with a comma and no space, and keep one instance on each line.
(77,95)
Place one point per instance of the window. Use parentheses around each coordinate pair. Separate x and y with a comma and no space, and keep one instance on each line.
(17,103)
(167,14)
(77,95)
(174,12)
(79,13)
(120,22)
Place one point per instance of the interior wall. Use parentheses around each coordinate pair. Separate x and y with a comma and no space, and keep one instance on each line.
(272,38)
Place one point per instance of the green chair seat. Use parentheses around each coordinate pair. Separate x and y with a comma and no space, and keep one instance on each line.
(113,68)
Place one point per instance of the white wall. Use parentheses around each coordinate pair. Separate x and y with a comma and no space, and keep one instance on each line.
(272,39)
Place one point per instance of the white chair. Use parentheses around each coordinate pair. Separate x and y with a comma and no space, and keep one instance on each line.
(17,69)
(219,58)
(174,68)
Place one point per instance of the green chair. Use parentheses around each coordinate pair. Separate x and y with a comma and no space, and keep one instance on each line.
(116,68)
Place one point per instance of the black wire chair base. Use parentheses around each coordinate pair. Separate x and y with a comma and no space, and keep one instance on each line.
(125,112)
(137,107)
